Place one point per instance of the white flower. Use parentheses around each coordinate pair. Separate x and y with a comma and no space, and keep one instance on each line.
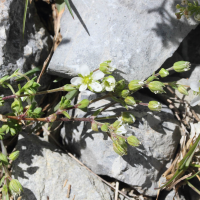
(195,86)
(123,129)
(197,17)
(184,2)
(88,79)
(109,83)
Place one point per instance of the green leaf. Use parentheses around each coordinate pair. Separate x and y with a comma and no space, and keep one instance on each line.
(29,73)
(192,186)
(66,114)
(188,178)
(69,7)
(70,95)
(24,19)
(177,174)
(185,162)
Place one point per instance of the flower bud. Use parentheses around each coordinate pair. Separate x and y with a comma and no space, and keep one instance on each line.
(83,104)
(178,6)
(128,118)
(108,83)
(120,146)
(104,127)
(106,68)
(182,90)
(197,17)
(130,101)
(181,66)
(15,186)
(124,93)
(155,106)
(163,73)
(52,118)
(135,85)
(156,87)
(119,86)
(116,124)
(68,87)
(3,159)
(133,141)
(94,126)
(14,155)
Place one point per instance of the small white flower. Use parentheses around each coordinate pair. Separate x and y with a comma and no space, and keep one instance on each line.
(109,83)
(197,17)
(88,79)
(195,86)
(184,2)
(123,129)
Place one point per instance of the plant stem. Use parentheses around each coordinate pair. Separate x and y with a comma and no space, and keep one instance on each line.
(38,93)
(23,75)
(46,119)
(109,117)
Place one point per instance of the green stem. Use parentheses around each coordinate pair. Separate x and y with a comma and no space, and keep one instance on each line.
(26,95)
(109,117)
(192,186)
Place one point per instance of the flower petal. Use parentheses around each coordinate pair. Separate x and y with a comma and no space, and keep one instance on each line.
(98,75)
(195,86)
(83,87)
(121,130)
(195,101)
(96,86)
(110,80)
(76,81)
(84,70)
(109,88)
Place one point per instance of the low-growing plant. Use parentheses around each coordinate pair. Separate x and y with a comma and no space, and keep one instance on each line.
(98,81)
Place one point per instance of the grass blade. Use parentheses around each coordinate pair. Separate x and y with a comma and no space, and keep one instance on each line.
(69,8)
(24,19)
(192,186)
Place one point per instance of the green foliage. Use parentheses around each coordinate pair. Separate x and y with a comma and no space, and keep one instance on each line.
(188,9)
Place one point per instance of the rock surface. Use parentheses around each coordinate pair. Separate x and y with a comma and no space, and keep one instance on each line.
(143,166)
(16,52)
(42,170)
(138,36)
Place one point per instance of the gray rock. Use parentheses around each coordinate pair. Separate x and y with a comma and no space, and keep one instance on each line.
(143,166)
(138,36)
(19,53)
(42,170)
(169,195)
(16,52)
